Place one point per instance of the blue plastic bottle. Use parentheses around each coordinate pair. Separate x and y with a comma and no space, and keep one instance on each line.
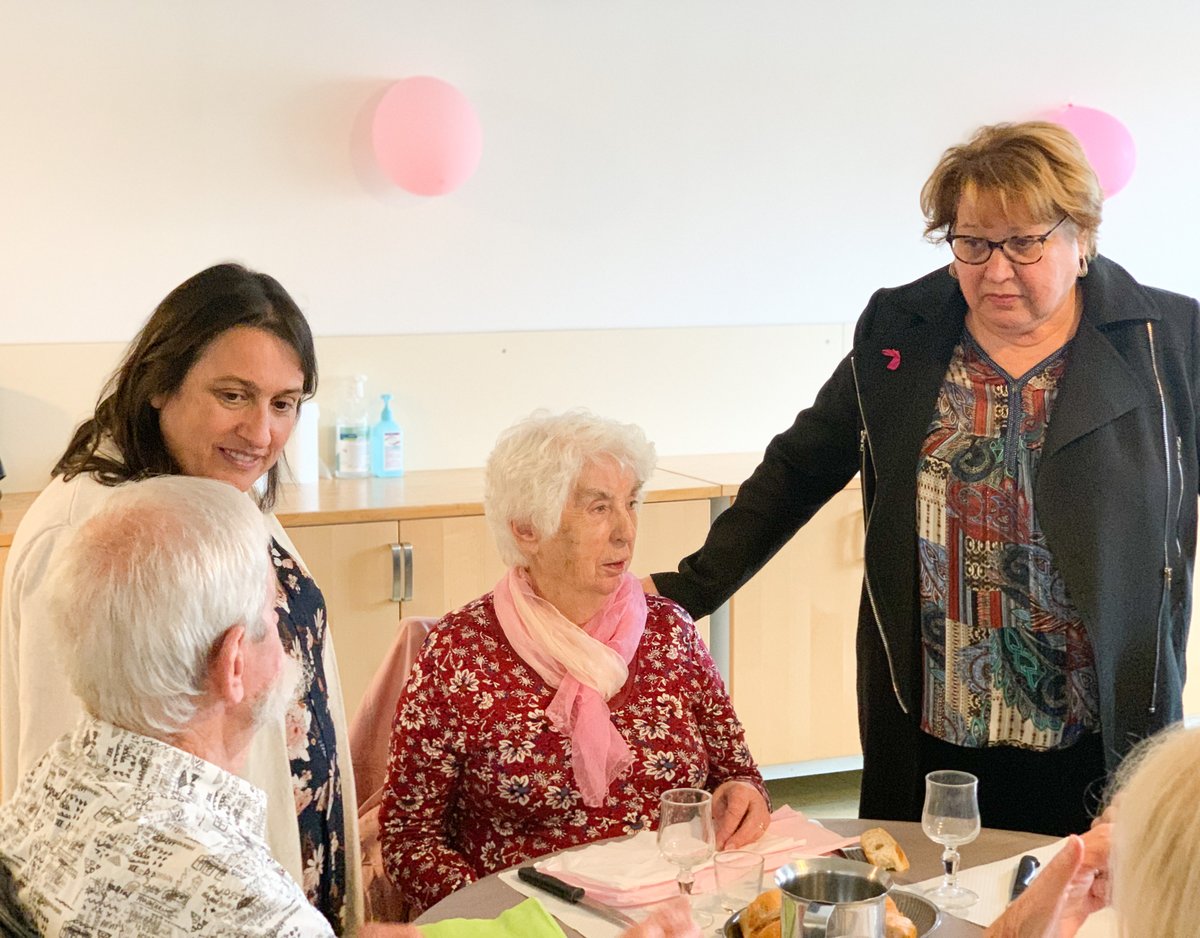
(387,444)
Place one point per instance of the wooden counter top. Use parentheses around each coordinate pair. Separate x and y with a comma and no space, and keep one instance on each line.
(728,470)
(432,493)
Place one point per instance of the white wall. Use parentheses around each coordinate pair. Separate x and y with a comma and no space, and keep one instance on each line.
(675,163)
(454,393)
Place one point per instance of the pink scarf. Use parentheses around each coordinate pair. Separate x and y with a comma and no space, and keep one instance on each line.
(588,664)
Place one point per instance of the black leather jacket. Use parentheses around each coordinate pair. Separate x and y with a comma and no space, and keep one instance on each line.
(1116,495)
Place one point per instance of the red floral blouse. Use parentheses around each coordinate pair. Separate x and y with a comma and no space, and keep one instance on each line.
(477,780)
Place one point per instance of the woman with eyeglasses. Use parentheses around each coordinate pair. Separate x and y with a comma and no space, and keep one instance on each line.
(1024,422)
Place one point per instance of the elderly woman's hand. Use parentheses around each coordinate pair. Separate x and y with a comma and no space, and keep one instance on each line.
(671,919)
(1071,887)
(740,813)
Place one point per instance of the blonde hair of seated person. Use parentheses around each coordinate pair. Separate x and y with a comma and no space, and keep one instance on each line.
(1156,876)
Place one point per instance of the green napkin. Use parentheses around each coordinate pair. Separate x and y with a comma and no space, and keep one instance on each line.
(527,920)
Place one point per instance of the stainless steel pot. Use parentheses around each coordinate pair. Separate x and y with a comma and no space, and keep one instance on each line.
(828,897)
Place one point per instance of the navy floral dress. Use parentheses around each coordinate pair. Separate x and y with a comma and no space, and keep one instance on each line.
(311,741)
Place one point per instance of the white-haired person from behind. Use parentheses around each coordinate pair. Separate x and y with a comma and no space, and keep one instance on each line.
(1142,855)
(135,823)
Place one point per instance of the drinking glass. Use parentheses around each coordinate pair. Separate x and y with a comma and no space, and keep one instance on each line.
(739,877)
(951,818)
(686,835)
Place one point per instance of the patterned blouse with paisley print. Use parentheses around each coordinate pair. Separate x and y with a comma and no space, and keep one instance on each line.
(477,780)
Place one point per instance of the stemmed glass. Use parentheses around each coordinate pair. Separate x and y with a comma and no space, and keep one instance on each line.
(686,836)
(951,818)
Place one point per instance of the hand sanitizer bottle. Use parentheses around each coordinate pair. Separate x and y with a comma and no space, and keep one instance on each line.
(387,444)
(352,455)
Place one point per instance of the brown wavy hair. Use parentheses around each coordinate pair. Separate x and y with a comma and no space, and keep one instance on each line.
(184,324)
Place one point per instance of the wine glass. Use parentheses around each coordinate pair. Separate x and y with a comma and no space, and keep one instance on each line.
(951,818)
(686,836)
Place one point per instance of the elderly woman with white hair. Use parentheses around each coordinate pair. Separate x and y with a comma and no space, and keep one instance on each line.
(556,709)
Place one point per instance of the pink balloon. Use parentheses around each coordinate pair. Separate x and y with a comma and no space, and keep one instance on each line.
(426,136)
(1106,141)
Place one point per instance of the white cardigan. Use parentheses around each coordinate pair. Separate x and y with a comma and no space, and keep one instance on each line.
(37,706)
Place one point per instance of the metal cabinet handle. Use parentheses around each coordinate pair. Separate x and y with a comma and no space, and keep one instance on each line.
(402,572)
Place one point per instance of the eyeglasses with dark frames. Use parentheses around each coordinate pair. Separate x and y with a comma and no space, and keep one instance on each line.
(1020,249)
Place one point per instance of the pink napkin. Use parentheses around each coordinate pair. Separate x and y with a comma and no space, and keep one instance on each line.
(631,872)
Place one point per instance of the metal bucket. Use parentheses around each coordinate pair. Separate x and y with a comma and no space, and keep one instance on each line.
(831,898)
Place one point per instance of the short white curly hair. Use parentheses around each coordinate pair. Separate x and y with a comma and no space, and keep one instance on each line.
(536,463)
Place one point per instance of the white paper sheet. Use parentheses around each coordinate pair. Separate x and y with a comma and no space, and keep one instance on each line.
(992,882)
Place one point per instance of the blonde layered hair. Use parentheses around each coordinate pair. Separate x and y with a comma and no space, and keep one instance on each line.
(1037,167)
(1156,881)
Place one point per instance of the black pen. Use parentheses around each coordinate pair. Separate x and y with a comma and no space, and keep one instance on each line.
(1027,868)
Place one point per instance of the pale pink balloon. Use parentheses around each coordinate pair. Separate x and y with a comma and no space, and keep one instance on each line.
(1106,141)
(427,136)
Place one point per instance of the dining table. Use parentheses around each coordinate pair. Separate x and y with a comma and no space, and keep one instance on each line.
(489,896)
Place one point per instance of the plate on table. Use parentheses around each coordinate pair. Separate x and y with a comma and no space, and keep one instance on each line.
(924,914)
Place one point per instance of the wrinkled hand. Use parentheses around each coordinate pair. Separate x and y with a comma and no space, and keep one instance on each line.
(740,814)
(648,586)
(670,919)
(1070,888)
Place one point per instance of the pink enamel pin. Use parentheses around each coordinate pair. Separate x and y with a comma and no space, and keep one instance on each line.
(893,356)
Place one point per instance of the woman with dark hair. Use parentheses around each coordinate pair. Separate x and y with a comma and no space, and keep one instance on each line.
(210,387)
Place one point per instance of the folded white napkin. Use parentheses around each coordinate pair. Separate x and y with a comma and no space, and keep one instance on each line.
(631,872)
(992,882)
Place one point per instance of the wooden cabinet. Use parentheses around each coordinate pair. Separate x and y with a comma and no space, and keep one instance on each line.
(792,642)
(3,561)
(454,560)
(1191,689)
(352,565)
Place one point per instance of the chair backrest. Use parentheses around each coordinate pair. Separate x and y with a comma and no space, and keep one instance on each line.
(371,727)
(12,914)
(370,736)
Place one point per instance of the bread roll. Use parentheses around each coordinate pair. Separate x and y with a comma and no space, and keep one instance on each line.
(882,850)
(761,915)
(898,926)
(895,924)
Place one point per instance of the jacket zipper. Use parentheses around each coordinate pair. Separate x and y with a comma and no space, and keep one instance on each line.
(1164,606)
(864,443)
